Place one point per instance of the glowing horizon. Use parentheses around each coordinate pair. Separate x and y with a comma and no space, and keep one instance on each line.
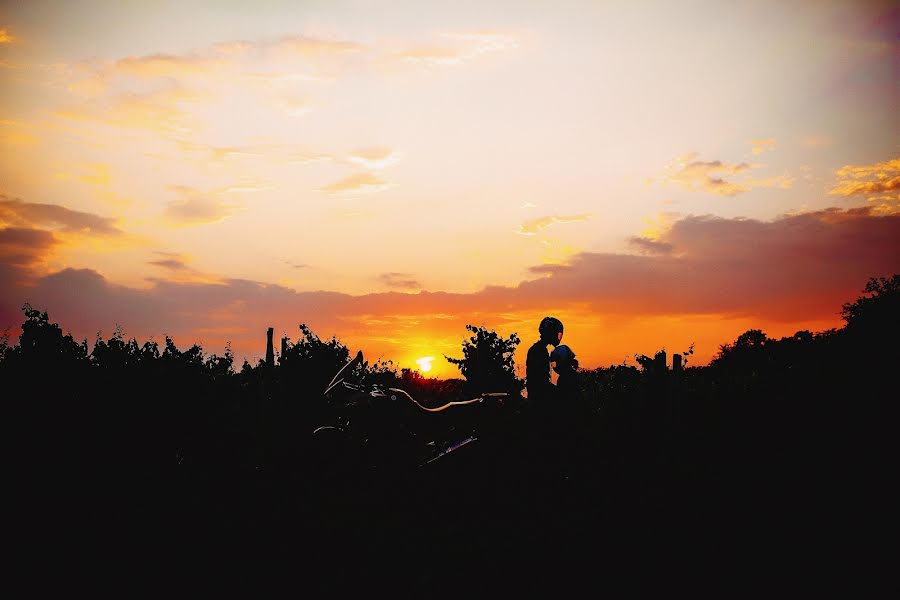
(653,175)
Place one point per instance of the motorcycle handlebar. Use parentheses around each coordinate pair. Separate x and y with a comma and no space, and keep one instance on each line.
(445,406)
(337,380)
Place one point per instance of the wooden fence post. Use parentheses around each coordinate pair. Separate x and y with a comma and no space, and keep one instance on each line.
(270,351)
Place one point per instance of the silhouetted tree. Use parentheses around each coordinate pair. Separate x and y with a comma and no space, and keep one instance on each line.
(879,309)
(43,342)
(487,363)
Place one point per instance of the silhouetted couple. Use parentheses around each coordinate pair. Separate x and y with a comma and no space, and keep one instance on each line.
(542,394)
(554,410)
(559,416)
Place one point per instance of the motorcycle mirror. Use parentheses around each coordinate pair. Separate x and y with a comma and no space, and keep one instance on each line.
(356,360)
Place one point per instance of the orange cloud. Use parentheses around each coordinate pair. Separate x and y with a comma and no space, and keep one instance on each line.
(6,37)
(30,236)
(22,247)
(15,213)
(709,176)
(704,175)
(879,178)
(23,254)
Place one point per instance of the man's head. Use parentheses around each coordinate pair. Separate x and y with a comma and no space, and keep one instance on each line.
(551,330)
(563,359)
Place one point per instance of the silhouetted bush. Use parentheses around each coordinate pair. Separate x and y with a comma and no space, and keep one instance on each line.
(487,363)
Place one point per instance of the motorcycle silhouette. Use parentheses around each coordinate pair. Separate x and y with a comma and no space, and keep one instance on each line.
(379,429)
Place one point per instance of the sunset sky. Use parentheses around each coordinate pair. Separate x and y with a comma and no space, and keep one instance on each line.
(655,174)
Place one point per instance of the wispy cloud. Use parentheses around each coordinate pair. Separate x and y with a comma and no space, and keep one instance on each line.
(16,133)
(302,158)
(177,270)
(294,107)
(288,153)
(150,90)
(315,47)
(360,183)
(6,37)
(98,174)
(247,185)
(402,281)
(696,175)
(710,176)
(173,264)
(373,158)
(457,48)
(760,146)
(159,111)
(210,61)
(296,265)
(533,226)
(162,65)
(194,207)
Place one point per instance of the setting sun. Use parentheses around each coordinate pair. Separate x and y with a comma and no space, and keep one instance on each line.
(425,363)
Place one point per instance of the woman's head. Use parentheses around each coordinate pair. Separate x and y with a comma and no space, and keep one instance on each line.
(563,359)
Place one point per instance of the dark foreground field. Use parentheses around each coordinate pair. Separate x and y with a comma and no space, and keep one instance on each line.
(771,461)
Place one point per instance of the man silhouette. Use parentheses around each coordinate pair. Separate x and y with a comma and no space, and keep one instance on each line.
(537,365)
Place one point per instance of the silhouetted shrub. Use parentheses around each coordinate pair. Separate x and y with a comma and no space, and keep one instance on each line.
(487,363)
